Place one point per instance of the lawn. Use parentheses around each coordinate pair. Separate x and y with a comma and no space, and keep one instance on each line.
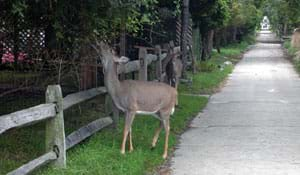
(101,153)
(9,76)
(213,71)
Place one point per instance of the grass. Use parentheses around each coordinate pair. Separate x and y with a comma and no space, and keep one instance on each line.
(18,146)
(100,154)
(213,71)
(206,82)
(8,76)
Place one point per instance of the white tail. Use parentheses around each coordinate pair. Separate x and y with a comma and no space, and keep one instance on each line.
(137,97)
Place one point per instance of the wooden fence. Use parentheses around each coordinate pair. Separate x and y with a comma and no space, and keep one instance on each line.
(53,112)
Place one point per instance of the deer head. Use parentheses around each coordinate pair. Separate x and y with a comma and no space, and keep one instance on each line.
(108,55)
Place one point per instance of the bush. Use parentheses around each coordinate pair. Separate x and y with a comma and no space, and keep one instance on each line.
(291,50)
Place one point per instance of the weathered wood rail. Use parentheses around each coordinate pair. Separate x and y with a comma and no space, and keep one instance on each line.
(52,112)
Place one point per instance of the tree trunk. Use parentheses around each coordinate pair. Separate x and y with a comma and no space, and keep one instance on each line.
(184,31)
(285,28)
(204,46)
(224,36)
(196,43)
(207,44)
(234,32)
(217,40)
(210,41)
(50,36)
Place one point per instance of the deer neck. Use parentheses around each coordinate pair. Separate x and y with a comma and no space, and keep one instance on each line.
(111,80)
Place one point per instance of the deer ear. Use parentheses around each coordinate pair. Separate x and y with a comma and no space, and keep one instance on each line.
(122,59)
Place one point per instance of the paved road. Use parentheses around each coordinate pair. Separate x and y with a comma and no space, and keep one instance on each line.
(252,127)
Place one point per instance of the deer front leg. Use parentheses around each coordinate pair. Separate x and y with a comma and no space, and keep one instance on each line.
(167,129)
(156,135)
(130,140)
(128,122)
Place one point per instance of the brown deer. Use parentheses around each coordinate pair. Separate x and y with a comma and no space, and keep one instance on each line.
(137,97)
(174,71)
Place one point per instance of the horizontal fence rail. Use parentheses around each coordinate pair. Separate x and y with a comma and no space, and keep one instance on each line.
(86,131)
(27,116)
(34,164)
(79,97)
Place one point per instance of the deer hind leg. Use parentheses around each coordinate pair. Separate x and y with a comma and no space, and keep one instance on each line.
(156,135)
(166,123)
(128,122)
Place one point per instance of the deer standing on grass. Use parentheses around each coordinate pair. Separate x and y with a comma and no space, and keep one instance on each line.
(137,97)
(173,69)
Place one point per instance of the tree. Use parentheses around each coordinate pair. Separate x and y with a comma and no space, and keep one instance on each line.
(283,14)
(208,16)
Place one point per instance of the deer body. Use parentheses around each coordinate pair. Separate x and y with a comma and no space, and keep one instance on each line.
(138,97)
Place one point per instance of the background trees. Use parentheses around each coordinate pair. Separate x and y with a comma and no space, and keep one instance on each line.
(284,15)
(68,26)
(226,21)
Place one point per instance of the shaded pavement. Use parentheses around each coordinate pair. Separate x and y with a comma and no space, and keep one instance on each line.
(252,127)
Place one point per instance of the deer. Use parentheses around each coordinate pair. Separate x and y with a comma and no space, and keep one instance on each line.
(174,71)
(137,97)
(173,68)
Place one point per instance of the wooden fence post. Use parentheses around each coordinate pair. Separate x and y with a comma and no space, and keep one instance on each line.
(158,68)
(110,108)
(143,64)
(55,130)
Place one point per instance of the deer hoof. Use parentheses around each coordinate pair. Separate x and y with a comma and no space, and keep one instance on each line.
(123,152)
(165,156)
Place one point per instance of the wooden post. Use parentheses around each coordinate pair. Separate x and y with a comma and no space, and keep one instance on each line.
(110,108)
(158,69)
(143,64)
(55,130)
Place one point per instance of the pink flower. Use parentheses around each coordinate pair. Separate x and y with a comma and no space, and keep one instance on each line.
(8,58)
(22,56)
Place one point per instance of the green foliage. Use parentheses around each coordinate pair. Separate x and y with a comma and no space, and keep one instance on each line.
(70,23)
(222,13)
(292,53)
(245,14)
(209,14)
(291,50)
(282,12)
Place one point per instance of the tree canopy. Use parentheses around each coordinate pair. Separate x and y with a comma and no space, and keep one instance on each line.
(282,13)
